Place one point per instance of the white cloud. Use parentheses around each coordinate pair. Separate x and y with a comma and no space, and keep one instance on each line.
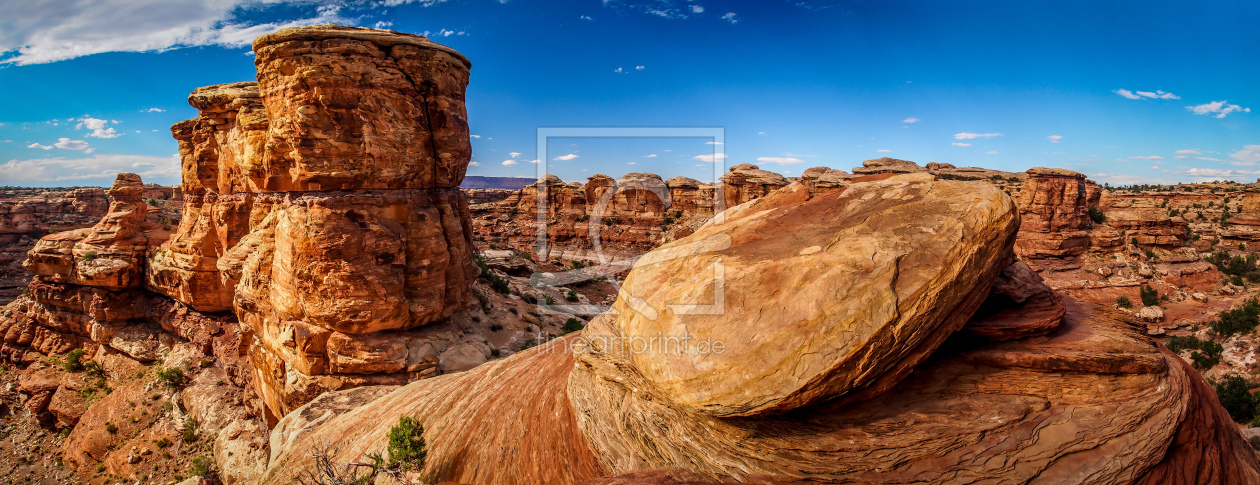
(101,168)
(884,151)
(474,164)
(1187,152)
(41,147)
(1154,167)
(152,110)
(1249,155)
(972,136)
(68,144)
(1054,138)
(619,70)
(586,17)
(639,68)
(509,163)
(514,154)
(729,17)
(1218,108)
(713,143)
(780,160)
(382,24)
(957,144)
(1126,93)
(697,9)
(534,160)
(632,163)
(993,152)
(653,155)
(100,128)
(911,120)
(710,158)
(475,136)
(1148,157)
(761,132)
(41,33)
(1158,94)
(570,156)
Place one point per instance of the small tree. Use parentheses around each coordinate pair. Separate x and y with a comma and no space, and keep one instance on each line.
(1235,396)
(407,449)
(1123,302)
(1150,297)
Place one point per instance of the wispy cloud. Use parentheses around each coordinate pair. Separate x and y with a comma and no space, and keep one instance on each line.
(1187,152)
(1248,155)
(711,157)
(780,160)
(652,155)
(959,144)
(474,164)
(570,156)
(1158,94)
(98,168)
(509,163)
(973,136)
(884,150)
(42,35)
(1219,109)
(1055,138)
(911,120)
(991,152)
(729,17)
(514,154)
(1148,157)
(152,110)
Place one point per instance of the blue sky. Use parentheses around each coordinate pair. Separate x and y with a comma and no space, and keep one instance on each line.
(1126,92)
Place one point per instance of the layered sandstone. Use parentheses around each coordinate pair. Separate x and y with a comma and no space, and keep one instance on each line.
(1069,394)
(1054,214)
(28,215)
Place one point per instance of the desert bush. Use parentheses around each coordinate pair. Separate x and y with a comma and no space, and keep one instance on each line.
(200,466)
(406,444)
(1150,297)
(170,376)
(1238,320)
(1096,215)
(494,327)
(529,344)
(1123,302)
(497,283)
(571,297)
(572,325)
(1235,396)
(189,431)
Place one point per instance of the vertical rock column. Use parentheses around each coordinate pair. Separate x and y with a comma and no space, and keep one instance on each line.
(369,237)
(1053,207)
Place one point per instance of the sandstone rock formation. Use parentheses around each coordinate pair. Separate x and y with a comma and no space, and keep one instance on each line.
(887,165)
(28,215)
(1054,214)
(1070,394)
(745,182)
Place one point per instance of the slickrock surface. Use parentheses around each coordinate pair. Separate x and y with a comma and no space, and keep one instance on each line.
(920,247)
(1084,397)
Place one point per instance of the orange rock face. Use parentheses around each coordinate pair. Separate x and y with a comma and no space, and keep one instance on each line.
(1054,214)
(321,206)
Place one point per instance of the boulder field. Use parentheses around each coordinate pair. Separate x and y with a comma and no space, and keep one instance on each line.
(841,361)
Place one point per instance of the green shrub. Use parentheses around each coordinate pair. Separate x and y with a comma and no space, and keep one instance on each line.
(73,362)
(571,297)
(163,443)
(1235,396)
(406,444)
(572,325)
(529,344)
(494,327)
(170,376)
(189,431)
(497,283)
(1133,241)
(89,256)
(200,466)
(111,428)
(1096,215)
(1123,302)
(1238,320)
(1150,253)
(1150,297)
(550,300)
